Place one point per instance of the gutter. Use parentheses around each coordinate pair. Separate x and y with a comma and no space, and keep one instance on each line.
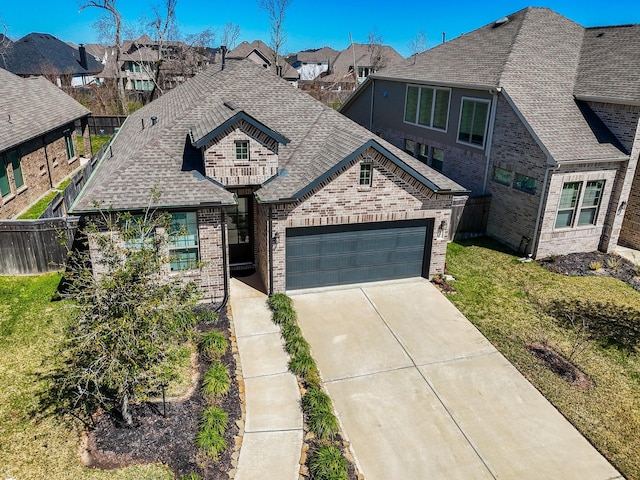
(616,101)
(414,81)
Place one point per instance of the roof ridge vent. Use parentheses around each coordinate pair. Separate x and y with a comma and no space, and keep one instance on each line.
(500,22)
(230,105)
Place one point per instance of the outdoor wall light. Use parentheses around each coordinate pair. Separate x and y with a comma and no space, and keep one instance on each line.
(276,237)
(622,206)
(441,229)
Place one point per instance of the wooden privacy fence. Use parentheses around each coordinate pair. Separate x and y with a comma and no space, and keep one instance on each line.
(469,219)
(28,247)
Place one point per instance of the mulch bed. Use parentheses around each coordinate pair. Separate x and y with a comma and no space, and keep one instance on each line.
(561,366)
(577,264)
(168,440)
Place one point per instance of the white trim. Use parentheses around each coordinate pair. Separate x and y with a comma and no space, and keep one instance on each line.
(486,122)
(433,110)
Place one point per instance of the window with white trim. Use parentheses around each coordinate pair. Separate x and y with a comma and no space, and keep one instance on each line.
(474,114)
(579,203)
(68,141)
(366,170)
(427,106)
(183,241)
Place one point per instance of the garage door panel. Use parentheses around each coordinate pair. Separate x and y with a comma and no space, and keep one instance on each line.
(336,255)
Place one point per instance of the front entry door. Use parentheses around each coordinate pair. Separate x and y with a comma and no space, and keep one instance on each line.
(240,226)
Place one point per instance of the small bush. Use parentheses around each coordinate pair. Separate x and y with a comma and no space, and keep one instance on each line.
(207,316)
(614,263)
(279,301)
(216,381)
(316,406)
(285,316)
(327,463)
(296,345)
(301,364)
(313,378)
(595,266)
(211,442)
(215,420)
(291,332)
(191,476)
(213,344)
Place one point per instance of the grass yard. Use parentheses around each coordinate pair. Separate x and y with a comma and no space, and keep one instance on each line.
(97,142)
(506,300)
(31,447)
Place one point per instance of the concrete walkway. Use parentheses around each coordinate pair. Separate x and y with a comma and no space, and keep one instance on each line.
(272,440)
(629,253)
(420,393)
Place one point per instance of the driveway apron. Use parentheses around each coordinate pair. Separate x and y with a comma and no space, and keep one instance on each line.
(420,393)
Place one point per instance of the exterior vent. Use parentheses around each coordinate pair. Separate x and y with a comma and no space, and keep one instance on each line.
(230,105)
(154,120)
(501,22)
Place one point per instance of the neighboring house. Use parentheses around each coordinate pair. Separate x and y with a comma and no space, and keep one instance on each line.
(140,58)
(38,146)
(261,175)
(364,60)
(534,110)
(41,54)
(310,64)
(261,54)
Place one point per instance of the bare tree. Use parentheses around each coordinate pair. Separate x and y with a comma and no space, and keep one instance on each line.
(276,10)
(113,21)
(376,51)
(164,28)
(418,44)
(5,43)
(230,35)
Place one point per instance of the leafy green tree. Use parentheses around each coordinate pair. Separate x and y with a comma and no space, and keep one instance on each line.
(128,318)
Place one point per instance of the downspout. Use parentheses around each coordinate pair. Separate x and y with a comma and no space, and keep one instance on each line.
(46,159)
(534,241)
(270,234)
(373,91)
(492,122)
(225,267)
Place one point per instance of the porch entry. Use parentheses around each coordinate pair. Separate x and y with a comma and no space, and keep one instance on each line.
(240,228)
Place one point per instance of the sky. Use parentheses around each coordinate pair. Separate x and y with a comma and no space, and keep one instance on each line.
(311,24)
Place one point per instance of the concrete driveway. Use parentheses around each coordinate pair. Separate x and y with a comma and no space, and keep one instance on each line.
(421,394)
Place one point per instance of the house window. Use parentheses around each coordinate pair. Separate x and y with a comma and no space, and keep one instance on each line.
(526,184)
(69,144)
(473,121)
(437,158)
(423,153)
(427,106)
(365,174)
(183,241)
(502,175)
(5,188)
(242,150)
(409,146)
(577,207)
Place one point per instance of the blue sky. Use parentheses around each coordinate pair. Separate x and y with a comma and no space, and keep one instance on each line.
(313,24)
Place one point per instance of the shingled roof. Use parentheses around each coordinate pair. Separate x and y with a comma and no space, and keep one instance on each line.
(540,60)
(32,107)
(314,139)
(44,54)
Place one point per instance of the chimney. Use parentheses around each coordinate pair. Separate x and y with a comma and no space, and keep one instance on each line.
(83,56)
(223,52)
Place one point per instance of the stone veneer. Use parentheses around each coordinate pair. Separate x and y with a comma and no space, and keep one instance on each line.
(44,165)
(393,195)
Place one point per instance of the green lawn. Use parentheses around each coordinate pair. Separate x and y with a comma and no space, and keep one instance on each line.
(31,447)
(506,300)
(96,143)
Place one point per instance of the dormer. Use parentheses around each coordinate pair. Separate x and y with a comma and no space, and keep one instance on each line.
(240,150)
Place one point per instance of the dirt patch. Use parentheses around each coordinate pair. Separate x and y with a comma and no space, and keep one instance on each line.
(167,439)
(582,264)
(561,366)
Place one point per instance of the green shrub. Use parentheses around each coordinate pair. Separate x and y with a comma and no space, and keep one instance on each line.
(595,266)
(313,378)
(301,364)
(327,463)
(316,406)
(191,476)
(207,316)
(279,301)
(296,345)
(213,344)
(284,316)
(291,332)
(216,381)
(215,420)
(211,442)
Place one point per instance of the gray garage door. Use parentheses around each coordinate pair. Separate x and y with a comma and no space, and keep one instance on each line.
(344,254)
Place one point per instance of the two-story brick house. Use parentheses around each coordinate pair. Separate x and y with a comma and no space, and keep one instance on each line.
(38,145)
(534,110)
(263,176)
